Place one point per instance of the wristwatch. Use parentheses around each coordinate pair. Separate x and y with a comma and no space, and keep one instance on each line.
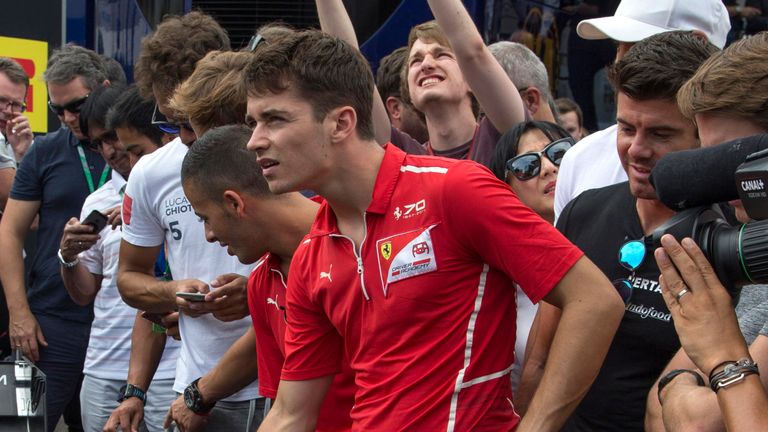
(194,399)
(66,264)
(129,391)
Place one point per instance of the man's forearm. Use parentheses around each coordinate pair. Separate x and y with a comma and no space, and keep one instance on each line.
(146,351)
(12,272)
(236,369)
(143,291)
(569,373)
(80,283)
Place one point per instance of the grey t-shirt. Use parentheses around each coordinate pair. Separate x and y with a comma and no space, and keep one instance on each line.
(752,312)
(6,162)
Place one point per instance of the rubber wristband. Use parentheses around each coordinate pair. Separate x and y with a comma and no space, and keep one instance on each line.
(666,379)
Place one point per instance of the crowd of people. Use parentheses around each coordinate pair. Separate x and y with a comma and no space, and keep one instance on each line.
(268,239)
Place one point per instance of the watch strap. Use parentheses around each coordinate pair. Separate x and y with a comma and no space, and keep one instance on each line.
(666,379)
(129,390)
(67,264)
(194,400)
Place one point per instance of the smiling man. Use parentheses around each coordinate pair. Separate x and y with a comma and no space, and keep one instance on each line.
(53,180)
(605,223)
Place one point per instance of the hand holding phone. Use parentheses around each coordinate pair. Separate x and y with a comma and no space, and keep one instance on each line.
(97,220)
(191,296)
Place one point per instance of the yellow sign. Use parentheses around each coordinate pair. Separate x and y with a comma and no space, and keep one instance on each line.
(386,250)
(32,55)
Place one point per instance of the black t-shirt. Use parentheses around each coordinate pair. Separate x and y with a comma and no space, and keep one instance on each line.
(600,221)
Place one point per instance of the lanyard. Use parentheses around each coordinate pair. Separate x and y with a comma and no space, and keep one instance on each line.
(87,171)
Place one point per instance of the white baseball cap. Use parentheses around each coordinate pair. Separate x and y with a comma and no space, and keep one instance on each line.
(636,20)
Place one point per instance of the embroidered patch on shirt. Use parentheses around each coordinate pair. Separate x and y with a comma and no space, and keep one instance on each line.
(406,255)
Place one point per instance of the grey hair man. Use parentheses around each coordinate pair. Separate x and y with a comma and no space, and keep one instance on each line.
(52,181)
(530,76)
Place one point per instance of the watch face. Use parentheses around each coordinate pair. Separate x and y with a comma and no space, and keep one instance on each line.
(189,398)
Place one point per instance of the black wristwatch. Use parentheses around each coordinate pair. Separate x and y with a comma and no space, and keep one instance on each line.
(194,399)
(129,391)
(666,379)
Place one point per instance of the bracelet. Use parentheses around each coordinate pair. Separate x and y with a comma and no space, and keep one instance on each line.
(65,263)
(666,379)
(734,372)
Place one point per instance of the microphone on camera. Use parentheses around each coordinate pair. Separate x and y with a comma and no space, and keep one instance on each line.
(692,178)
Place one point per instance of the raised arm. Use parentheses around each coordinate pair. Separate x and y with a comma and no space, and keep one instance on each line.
(490,84)
(335,21)
(591,312)
(297,405)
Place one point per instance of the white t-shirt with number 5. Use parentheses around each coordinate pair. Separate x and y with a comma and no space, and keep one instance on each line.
(155,210)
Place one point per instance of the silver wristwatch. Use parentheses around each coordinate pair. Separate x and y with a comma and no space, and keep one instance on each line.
(66,264)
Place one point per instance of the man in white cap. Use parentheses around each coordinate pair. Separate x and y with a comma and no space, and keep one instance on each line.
(634,21)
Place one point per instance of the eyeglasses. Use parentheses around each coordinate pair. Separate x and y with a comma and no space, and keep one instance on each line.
(13,105)
(161,122)
(631,256)
(527,166)
(74,106)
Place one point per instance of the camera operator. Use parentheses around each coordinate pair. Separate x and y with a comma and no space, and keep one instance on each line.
(726,98)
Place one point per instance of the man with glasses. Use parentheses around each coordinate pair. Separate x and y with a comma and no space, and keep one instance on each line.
(610,224)
(56,175)
(15,131)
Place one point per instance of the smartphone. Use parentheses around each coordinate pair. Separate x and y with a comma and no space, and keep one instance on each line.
(97,220)
(195,297)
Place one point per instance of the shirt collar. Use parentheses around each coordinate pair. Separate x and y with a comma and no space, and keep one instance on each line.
(383,189)
(118,181)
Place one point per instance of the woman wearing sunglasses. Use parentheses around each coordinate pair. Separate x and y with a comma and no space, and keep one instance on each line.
(527,158)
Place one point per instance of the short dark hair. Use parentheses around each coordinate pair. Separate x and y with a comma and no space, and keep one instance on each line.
(72,61)
(133,111)
(169,55)
(509,143)
(389,73)
(656,67)
(114,71)
(325,71)
(219,160)
(94,110)
(13,71)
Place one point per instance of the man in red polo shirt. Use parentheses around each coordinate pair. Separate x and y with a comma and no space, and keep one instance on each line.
(223,182)
(410,266)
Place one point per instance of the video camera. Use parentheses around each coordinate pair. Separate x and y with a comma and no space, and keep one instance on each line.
(694,181)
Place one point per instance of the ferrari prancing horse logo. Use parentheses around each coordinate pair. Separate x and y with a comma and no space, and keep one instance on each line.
(386,250)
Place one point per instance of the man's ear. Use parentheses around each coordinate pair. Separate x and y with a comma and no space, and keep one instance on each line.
(343,122)
(394,108)
(233,203)
(532,99)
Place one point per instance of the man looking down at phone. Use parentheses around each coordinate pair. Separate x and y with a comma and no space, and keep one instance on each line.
(224,184)
(90,249)
(52,181)
(157,214)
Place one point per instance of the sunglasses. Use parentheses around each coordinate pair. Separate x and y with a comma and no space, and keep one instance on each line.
(528,165)
(161,122)
(631,256)
(74,106)
(254,42)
